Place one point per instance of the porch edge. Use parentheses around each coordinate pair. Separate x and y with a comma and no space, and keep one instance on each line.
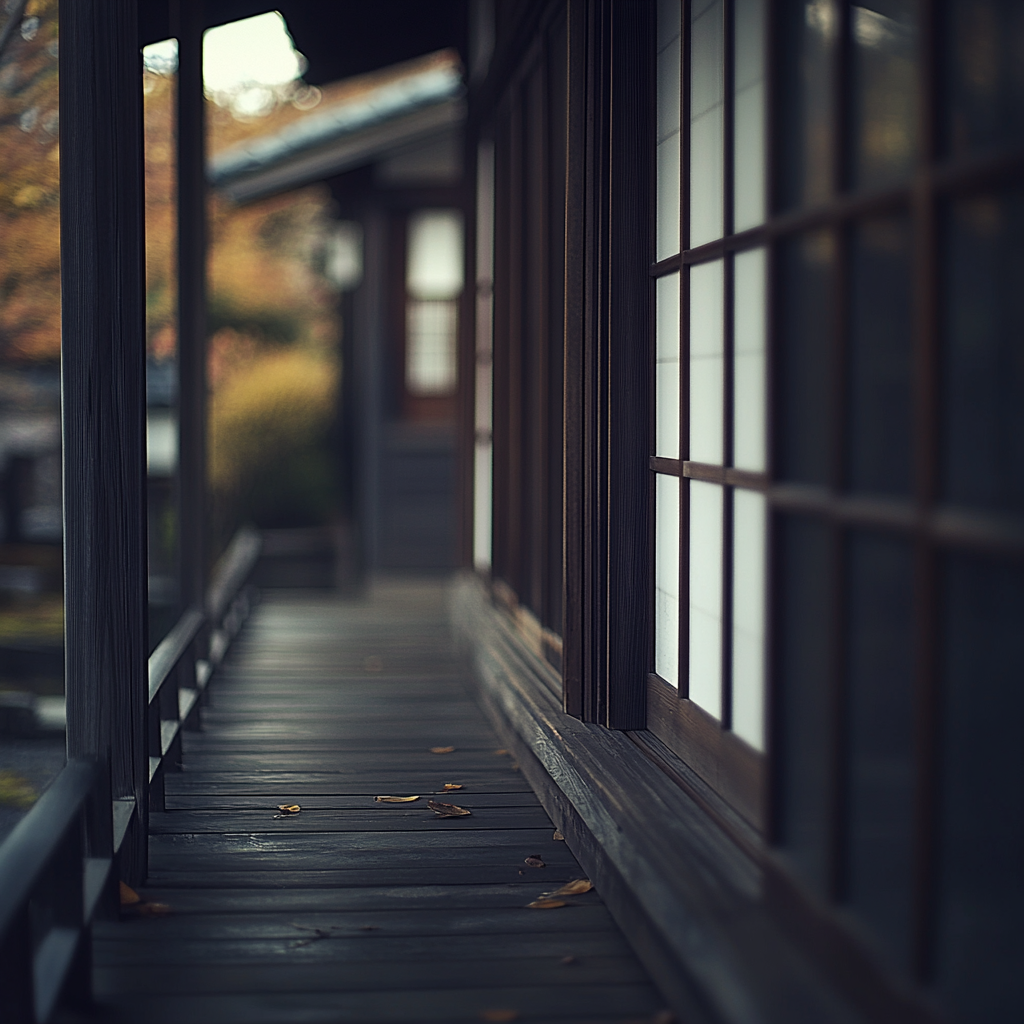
(688,898)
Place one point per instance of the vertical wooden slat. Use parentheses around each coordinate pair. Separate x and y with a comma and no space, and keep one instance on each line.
(728,354)
(926,422)
(104,398)
(187,25)
(683,690)
(630,345)
(574,579)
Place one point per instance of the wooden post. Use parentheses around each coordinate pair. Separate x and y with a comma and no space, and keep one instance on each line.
(103,398)
(187,25)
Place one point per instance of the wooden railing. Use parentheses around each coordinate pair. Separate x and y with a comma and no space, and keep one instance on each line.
(57,866)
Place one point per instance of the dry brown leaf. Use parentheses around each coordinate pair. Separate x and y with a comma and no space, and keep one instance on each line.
(133,903)
(546,904)
(497,1016)
(395,799)
(449,786)
(443,810)
(289,808)
(576,887)
(129,897)
(153,909)
(442,750)
(534,861)
(558,837)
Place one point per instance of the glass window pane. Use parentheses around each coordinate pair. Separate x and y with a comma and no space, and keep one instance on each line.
(879,435)
(983,372)
(749,373)
(749,512)
(984,64)
(880,738)
(884,102)
(434,261)
(669,21)
(667,369)
(748,115)
(705,555)
(707,122)
(806,271)
(666,578)
(805,571)
(706,363)
(431,328)
(979,941)
(807,31)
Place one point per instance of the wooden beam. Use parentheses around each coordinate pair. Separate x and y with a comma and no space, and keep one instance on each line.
(104,397)
(193,556)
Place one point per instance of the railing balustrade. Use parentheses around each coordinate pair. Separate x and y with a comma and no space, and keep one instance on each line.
(57,867)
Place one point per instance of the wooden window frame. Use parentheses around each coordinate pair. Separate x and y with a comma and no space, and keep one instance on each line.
(932,526)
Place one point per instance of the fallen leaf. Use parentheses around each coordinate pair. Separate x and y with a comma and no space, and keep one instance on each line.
(395,799)
(443,810)
(442,750)
(496,1016)
(546,904)
(534,861)
(289,808)
(318,933)
(558,837)
(153,909)
(501,752)
(574,888)
(129,897)
(449,786)
(133,903)
(567,960)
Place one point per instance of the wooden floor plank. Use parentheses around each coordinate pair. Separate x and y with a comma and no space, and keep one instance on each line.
(353,910)
(369,976)
(313,802)
(297,899)
(545,1003)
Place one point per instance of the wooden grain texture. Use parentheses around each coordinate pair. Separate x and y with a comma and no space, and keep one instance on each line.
(352,909)
(103,396)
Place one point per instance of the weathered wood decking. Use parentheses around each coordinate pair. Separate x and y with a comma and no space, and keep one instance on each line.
(353,910)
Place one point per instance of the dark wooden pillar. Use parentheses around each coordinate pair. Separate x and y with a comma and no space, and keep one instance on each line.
(368,371)
(187,25)
(104,398)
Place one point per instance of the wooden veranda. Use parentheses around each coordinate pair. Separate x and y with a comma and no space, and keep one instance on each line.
(353,909)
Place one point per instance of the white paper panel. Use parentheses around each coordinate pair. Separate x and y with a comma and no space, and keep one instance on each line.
(705,668)
(667,369)
(666,578)
(748,616)
(749,371)
(706,363)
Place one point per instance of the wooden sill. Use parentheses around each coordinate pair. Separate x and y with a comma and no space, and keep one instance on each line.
(728,765)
